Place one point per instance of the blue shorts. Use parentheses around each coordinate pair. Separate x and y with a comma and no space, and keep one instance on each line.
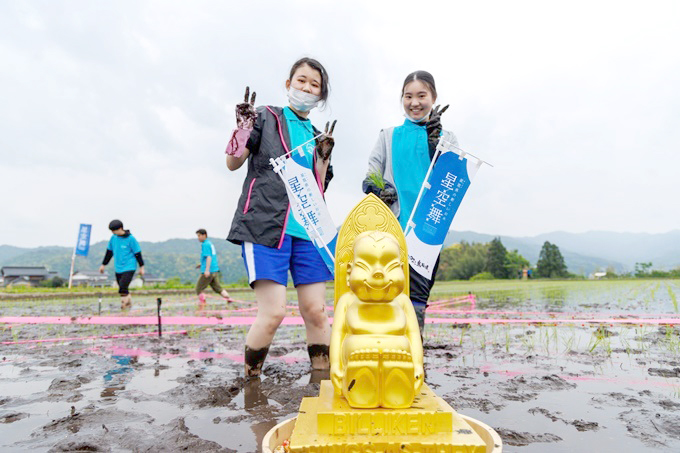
(297,255)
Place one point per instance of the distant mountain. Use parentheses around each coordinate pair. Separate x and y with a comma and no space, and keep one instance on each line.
(628,248)
(583,253)
(8,252)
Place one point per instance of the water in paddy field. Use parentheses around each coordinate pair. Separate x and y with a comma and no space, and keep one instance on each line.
(544,387)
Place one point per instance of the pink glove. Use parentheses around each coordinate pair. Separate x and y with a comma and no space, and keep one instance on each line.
(237,144)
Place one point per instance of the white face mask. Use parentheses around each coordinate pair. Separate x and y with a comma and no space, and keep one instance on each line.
(299,100)
(421,120)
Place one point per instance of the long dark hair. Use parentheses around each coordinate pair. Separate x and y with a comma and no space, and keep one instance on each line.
(424,77)
(312,63)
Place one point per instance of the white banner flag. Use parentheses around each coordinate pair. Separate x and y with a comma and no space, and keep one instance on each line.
(308,206)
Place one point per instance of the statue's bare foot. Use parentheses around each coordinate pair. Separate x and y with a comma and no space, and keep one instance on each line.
(360,384)
(397,386)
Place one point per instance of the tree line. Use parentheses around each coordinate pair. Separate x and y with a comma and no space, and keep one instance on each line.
(465,261)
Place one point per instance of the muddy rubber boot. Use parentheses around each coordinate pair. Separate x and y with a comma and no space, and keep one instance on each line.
(128,302)
(319,356)
(254,359)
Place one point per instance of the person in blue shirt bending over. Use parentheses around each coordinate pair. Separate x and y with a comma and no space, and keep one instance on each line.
(126,253)
(210,269)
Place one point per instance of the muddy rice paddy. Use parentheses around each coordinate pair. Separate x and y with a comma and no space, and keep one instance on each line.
(590,386)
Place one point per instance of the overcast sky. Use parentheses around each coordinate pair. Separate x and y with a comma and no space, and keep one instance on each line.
(123,109)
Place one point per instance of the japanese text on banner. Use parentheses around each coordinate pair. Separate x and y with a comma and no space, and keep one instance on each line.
(83,244)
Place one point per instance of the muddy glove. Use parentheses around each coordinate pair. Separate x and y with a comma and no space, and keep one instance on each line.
(245,112)
(325,143)
(245,119)
(434,128)
(388,195)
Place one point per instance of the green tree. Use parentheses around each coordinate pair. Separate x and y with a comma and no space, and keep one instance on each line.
(54,282)
(515,263)
(550,262)
(495,259)
(642,269)
(611,272)
(462,261)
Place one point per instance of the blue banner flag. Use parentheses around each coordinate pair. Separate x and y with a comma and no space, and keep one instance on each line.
(83,244)
(438,202)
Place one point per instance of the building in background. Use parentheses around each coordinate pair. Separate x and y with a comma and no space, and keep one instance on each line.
(25,275)
(91,278)
(151,280)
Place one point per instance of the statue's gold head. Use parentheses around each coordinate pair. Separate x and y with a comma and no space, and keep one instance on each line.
(376,273)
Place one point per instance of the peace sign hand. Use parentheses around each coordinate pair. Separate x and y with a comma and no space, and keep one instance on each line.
(325,143)
(434,125)
(245,112)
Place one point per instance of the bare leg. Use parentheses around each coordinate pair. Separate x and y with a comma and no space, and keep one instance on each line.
(226,295)
(271,309)
(312,302)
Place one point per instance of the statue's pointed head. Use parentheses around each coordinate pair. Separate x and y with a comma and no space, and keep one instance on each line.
(376,272)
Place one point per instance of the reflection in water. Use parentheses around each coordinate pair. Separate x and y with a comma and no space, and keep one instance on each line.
(254,399)
(256,403)
(554,296)
(319,375)
(125,366)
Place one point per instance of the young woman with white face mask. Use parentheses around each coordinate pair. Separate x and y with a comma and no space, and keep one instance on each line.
(400,160)
(272,241)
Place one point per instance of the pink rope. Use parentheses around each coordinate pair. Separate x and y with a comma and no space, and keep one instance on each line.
(93,337)
(297,320)
(469,298)
(550,313)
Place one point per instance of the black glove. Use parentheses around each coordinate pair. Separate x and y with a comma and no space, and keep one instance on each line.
(325,143)
(434,128)
(388,195)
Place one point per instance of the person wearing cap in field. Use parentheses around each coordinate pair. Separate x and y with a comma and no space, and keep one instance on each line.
(126,253)
(210,269)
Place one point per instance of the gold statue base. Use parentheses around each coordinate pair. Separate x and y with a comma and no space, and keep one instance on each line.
(326,424)
(376,400)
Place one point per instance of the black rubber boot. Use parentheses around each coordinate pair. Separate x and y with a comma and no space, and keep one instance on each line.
(254,359)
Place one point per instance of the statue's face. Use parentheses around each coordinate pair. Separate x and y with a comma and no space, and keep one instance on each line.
(376,274)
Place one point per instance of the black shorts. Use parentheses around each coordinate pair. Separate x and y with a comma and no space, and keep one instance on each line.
(124,279)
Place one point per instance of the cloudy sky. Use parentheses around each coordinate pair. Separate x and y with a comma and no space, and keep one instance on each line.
(123,109)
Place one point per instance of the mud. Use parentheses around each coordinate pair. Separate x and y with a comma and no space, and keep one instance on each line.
(543,388)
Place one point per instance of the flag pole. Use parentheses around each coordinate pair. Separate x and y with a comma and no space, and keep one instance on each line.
(70,274)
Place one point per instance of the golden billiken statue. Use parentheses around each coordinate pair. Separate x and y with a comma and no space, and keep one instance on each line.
(376,350)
